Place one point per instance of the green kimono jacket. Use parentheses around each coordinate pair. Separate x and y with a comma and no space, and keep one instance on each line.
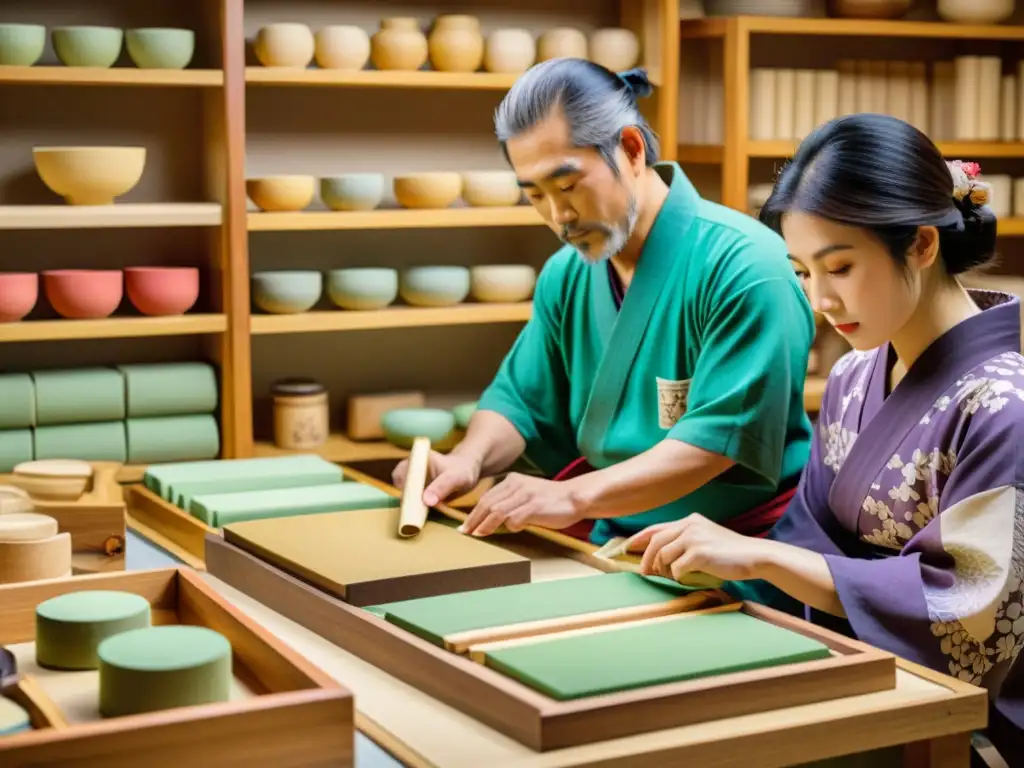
(709,347)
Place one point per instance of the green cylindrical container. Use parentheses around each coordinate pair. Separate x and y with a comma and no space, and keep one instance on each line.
(78,395)
(15,447)
(172,438)
(102,441)
(17,401)
(174,389)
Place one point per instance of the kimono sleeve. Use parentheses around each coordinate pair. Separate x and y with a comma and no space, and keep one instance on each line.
(749,373)
(531,388)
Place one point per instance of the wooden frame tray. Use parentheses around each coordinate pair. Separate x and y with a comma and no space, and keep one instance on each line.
(297,716)
(184,536)
(536,720)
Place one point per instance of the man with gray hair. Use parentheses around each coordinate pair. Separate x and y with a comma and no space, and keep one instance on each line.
(662,371)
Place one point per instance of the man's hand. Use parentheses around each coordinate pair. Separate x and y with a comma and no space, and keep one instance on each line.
(447,475)
(521,500)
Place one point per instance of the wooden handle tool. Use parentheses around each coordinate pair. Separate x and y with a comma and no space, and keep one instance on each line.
(413,513)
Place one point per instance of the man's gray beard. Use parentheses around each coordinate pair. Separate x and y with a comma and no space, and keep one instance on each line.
(616,237)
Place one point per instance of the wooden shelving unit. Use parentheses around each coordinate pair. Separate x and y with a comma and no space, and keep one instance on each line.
(392,317)
(446,218)
(463,81)
(119,215)
(113,328)
(43,75)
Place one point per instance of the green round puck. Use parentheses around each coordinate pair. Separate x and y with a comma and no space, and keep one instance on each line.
(70,627)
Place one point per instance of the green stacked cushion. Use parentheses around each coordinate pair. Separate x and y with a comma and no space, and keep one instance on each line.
(665,651)
(434,618)
(157,668)
(220,509)
(70,627)
(228,475)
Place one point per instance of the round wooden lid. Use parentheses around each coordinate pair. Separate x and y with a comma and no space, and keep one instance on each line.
(297,387)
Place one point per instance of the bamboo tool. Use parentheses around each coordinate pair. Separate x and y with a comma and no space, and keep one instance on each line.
(413,511)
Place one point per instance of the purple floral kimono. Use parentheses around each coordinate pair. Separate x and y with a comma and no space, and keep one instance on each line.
(917,503)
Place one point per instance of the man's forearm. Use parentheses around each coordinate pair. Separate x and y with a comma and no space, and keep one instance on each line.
(659,476)
(492,442)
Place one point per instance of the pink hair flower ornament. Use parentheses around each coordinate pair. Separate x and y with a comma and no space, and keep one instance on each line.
(966,184)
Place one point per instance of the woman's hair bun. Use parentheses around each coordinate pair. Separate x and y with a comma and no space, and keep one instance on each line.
(974,245)
(638,82)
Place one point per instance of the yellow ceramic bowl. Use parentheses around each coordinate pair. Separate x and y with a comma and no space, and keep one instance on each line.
(90,175)
(427,190)
(281,193)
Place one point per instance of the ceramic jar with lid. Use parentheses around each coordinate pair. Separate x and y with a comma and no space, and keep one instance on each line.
(342,47)
(301,414)
(510,51)
(559,42)
(456,44)
(399,44)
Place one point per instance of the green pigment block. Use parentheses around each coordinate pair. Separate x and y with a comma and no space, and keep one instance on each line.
(16,446)
(230,475)
(220,509)
(70,627)
(17,401)
(159,668)
(172,438)
(671,651)
(78,395)
(169,389)
(433,618)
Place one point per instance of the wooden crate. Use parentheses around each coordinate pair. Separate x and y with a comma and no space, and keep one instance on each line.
(532,718)
(297,717)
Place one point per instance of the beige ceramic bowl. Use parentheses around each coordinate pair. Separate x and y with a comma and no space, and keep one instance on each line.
(490,188)
(53,479)
(427,190)
(285,45)
(281,193)
(502,282)
(90,175)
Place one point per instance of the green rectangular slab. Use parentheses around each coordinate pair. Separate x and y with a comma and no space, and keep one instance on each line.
(181,494)
(433,618)
(626,658)
(220,509)
(225,475)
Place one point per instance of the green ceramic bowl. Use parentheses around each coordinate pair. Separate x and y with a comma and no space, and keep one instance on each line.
(21,45)
(402,425)
(362,288)
(442,286)
(287,292)
(463,412)
(160,47)
(87,46)
(352,191)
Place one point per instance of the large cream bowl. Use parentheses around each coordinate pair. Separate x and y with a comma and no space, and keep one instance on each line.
(90,175)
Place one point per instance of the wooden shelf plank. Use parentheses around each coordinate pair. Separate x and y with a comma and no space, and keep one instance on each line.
(368,78)
(700,154)
(1011,227)
(442,218)
(391,317)
(779,25)
(209,78)
(112,328)
(960,150)
(110,216)
(339,449)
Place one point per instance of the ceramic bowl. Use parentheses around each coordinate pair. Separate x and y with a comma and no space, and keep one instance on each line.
(427,190)
(85,46)
(287,292)
(512,51)
(342,47)
(53,479)
(403,425)
(90,175)
(281,193)
(490,188)
(285,45)
(976,11)
(162,290)
(463,412)
(352,191)
(614,48)
(362,288)
(502,282)
(84,294)
(21,45)
(161,47)
(19,292)
(434,286)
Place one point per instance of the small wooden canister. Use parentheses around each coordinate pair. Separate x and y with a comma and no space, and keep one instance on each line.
(301,415)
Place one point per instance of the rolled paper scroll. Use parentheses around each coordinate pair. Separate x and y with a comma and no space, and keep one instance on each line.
(413,512)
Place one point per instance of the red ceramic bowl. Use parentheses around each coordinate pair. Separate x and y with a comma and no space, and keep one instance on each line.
(19,292)
(162,290)
(83,294)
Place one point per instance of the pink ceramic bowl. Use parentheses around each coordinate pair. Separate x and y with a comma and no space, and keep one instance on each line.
(83,294)
(162,290)
(19,292)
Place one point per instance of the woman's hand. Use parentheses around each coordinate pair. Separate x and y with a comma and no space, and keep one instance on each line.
(522,500)
(697,544)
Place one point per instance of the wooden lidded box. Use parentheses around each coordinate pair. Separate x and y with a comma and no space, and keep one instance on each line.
(291,714)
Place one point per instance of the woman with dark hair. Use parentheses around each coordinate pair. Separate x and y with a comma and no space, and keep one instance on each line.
(907,528)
